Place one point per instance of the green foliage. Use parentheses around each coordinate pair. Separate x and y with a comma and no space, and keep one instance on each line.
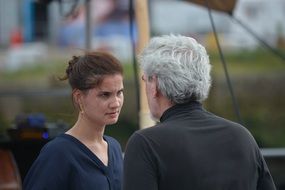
(246,62)
(257,78)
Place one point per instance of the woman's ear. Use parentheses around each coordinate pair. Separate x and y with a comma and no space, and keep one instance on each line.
(76,96)
(77,99)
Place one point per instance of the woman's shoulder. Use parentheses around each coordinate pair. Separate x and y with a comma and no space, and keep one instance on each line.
(59,145)
(47,169)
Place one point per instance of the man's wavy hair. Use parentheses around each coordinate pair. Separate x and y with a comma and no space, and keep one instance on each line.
(181,66)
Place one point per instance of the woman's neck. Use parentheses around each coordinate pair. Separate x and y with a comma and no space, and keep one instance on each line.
(87,132)
(92,137)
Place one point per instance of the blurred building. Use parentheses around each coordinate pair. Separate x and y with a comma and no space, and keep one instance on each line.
(22,17)
(60,23)
(265,18)
(29,21)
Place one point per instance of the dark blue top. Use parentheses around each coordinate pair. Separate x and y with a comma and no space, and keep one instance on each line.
(66,163)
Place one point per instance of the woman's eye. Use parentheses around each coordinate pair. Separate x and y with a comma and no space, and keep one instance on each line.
(105,95)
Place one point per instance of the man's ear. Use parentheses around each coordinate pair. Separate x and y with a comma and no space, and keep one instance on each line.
(154,87)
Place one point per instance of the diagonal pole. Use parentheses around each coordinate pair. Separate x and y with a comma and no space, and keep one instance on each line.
(235,104)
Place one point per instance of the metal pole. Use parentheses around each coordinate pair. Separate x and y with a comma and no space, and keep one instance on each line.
(88,37)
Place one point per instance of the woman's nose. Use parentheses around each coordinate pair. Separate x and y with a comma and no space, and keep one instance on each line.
(116,102)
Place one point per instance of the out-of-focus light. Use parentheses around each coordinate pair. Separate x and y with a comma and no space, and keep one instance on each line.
(45,135)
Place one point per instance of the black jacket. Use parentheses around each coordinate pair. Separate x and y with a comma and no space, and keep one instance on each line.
(194,149)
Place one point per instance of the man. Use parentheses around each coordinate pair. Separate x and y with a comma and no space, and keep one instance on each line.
(190,148)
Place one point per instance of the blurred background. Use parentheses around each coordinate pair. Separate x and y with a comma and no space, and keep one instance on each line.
(38,37)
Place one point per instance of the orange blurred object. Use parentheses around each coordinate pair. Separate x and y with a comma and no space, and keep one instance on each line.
(9,175)
(16,38)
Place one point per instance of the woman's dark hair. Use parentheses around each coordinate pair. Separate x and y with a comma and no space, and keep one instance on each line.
(87,71)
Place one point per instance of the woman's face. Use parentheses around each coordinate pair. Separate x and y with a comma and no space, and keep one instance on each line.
(102,105)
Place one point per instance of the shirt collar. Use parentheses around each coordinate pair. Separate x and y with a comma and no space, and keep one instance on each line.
(180,108)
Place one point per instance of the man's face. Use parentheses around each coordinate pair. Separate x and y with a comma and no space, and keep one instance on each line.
(151,90)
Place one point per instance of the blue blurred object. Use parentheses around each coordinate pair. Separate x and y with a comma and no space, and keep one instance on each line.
(34,126)
(34,120)
(45,135)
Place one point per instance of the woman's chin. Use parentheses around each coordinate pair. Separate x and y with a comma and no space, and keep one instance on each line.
(112,121)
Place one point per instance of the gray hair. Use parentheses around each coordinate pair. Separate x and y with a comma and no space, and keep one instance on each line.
(181,66)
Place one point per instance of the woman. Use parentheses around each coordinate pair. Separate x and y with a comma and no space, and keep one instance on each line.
(84,158)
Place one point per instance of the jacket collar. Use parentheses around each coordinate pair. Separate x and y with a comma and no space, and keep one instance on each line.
(178,108)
